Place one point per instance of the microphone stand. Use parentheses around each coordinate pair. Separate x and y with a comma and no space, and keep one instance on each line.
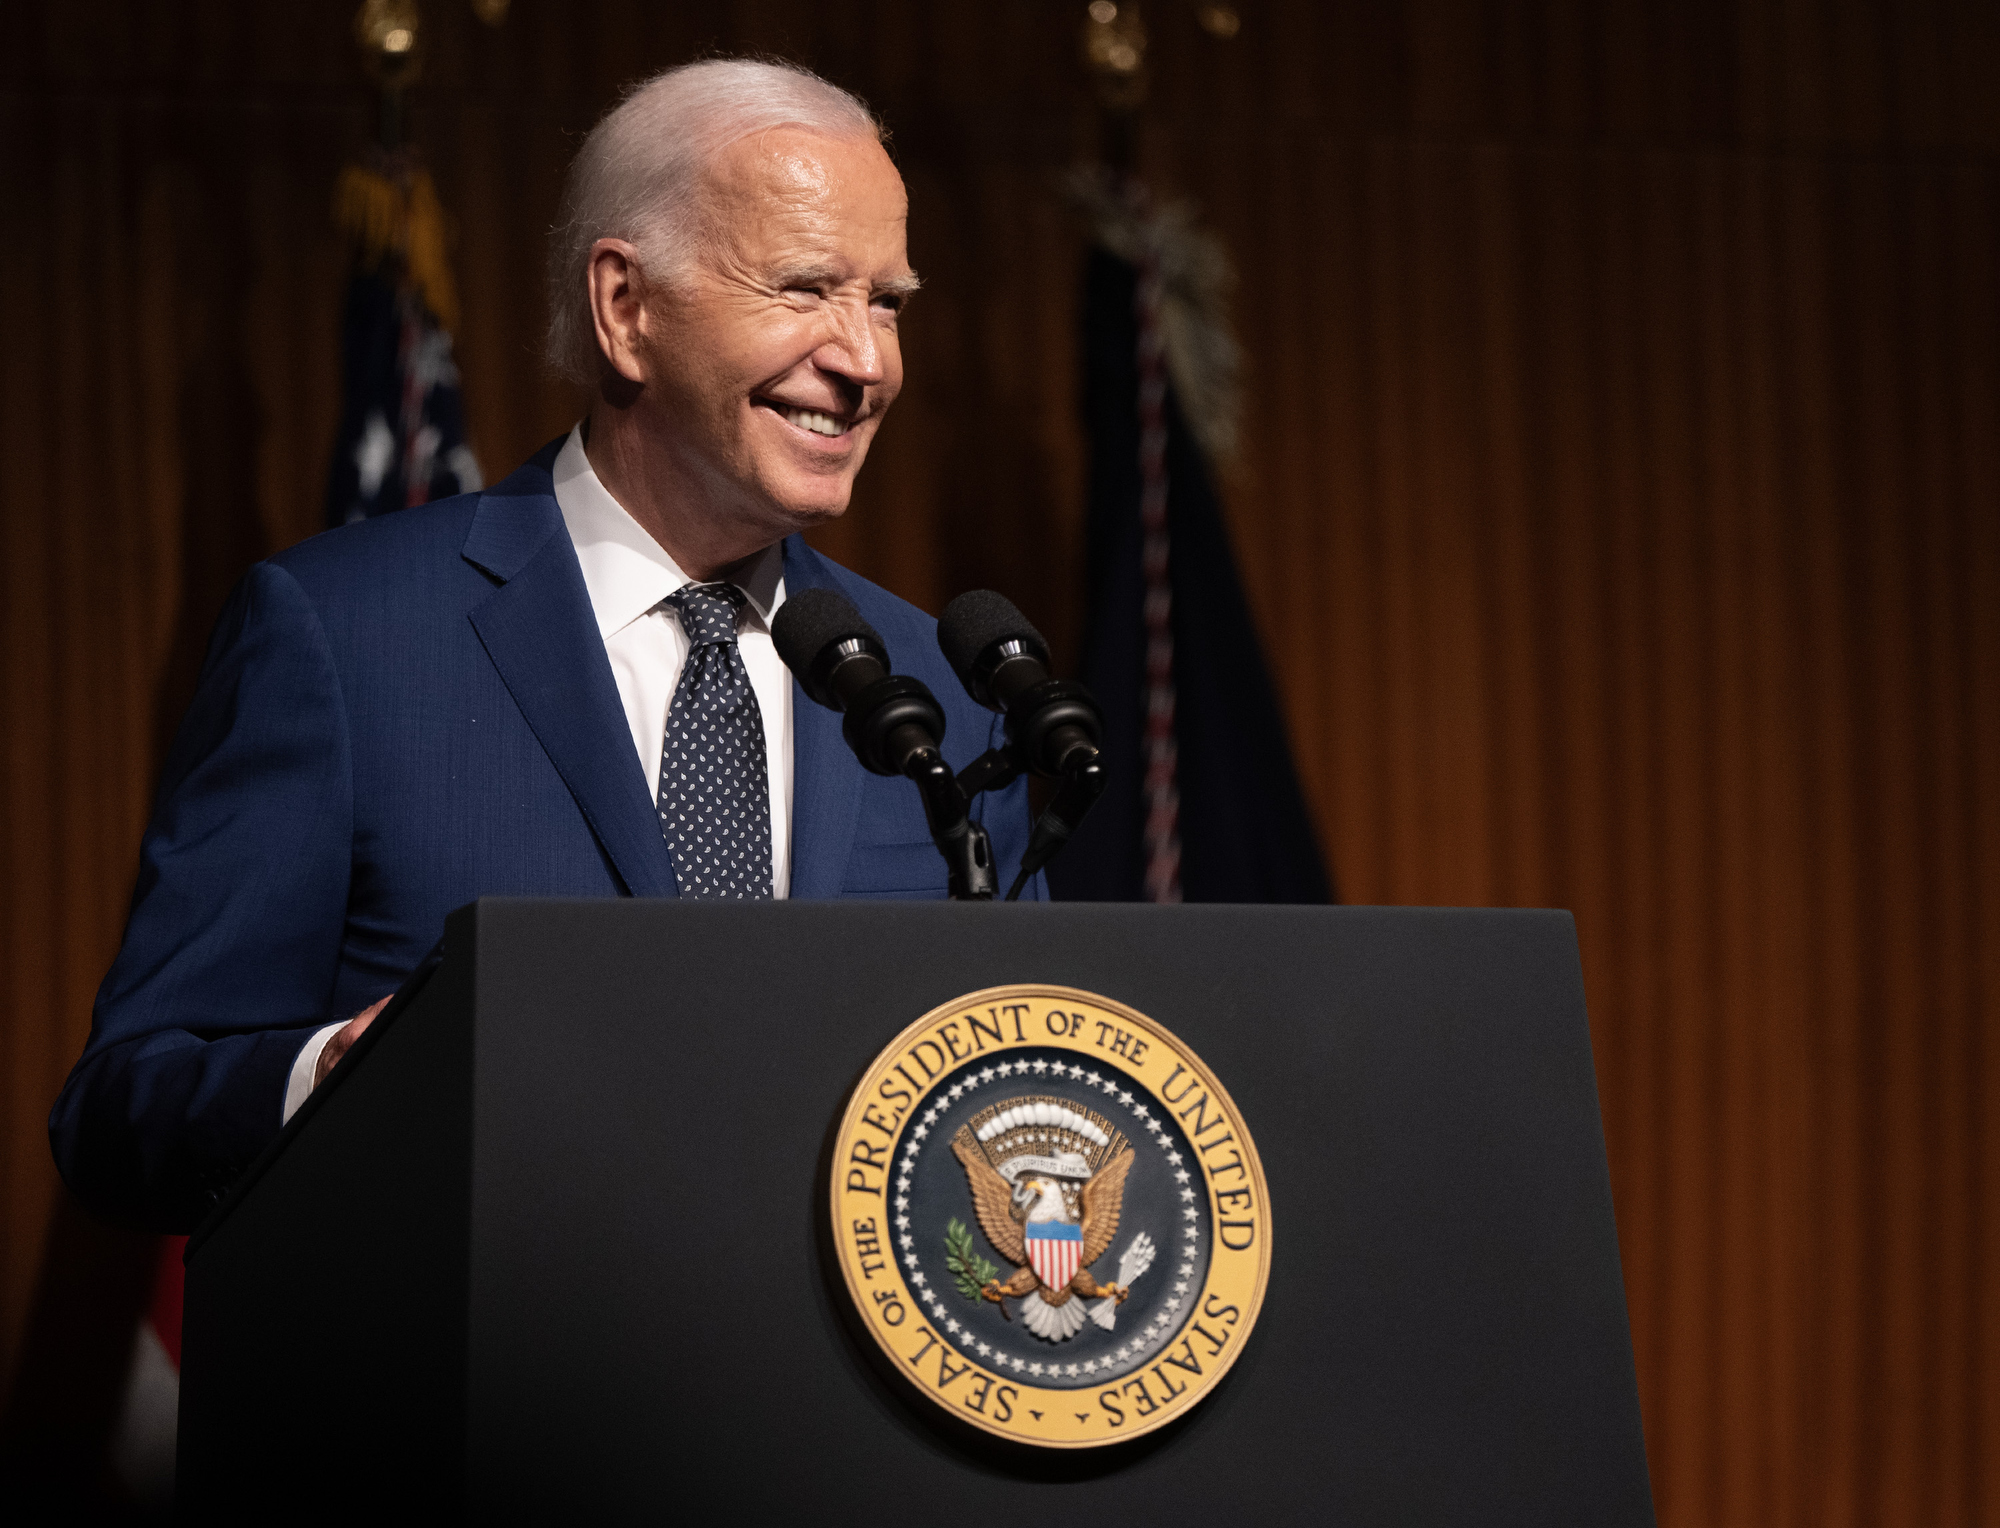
(970,875)
(891,721)
(1083,781)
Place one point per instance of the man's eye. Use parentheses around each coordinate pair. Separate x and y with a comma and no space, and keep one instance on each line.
(893,301)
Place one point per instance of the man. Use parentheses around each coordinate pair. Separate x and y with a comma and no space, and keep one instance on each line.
(515,692)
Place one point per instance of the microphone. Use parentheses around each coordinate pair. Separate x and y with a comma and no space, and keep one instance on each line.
(891,721)
(1052,724)
(842,663)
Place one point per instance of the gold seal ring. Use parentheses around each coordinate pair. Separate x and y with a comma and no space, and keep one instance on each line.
(1050,1216)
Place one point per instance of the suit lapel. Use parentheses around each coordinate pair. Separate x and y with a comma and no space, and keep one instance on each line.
(826,777)
(539,631)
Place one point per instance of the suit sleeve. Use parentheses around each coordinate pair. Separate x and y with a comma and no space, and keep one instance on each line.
(234,939)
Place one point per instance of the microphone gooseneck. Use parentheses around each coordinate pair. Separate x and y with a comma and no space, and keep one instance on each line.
(891,721)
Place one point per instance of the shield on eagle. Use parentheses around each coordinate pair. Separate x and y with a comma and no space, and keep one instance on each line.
(1055,1251)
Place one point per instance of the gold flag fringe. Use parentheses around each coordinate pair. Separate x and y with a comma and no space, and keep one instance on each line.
(400,217)
(1204,358)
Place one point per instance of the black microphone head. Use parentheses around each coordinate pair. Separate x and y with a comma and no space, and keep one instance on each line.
(972,625)
(808,625)
(811,619)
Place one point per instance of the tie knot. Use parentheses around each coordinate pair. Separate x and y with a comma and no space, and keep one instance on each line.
(707,612)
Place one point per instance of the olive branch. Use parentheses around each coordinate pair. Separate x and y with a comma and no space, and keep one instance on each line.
(968,1270)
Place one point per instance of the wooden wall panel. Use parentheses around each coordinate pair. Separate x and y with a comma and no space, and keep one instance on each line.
(1621,507)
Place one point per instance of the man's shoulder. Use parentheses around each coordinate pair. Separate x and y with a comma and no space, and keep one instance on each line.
(404,546)
(890,614)
(413,549)
(907,630)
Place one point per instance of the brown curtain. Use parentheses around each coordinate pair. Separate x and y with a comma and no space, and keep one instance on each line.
(1621,509)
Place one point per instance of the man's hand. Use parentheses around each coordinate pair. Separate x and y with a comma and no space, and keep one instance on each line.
(344,1037)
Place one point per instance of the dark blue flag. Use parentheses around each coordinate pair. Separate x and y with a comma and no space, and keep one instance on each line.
(402,419)
(1203,802)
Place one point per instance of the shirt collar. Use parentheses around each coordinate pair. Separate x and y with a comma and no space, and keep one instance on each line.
(625,571)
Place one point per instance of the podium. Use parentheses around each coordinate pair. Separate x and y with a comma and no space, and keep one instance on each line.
(553,1241)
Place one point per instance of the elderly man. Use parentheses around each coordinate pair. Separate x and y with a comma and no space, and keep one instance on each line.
(513,692)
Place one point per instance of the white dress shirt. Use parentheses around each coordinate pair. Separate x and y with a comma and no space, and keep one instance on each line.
(628,576)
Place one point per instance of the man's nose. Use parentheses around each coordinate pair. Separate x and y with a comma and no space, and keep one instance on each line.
(852,348)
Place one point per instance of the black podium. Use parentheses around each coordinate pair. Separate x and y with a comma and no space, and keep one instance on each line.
(551,1245)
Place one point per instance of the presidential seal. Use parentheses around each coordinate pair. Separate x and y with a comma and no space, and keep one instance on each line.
(1050,1216)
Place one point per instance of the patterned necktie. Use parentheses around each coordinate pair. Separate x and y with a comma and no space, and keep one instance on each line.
(715,800)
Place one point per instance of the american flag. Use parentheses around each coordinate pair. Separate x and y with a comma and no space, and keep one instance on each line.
(1202,802)
(402,438)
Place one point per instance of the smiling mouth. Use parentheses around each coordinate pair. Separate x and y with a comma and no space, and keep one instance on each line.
(811,420)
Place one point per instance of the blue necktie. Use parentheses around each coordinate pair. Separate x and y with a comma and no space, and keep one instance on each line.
(715,800)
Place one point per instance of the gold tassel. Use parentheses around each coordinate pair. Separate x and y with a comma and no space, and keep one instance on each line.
(400,218)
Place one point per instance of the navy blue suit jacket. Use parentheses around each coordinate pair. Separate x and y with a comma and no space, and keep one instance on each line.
(395,719)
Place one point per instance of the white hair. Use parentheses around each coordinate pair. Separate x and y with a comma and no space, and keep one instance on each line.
(638,175)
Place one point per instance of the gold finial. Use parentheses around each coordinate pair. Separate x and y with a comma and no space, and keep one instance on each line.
(1114,50)
(390,35)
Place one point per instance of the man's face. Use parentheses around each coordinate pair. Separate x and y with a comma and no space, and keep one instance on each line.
(773,363)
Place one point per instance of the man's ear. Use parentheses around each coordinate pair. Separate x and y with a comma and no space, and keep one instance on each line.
(618,307)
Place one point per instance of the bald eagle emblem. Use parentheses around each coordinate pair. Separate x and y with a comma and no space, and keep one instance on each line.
(1048,1186)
